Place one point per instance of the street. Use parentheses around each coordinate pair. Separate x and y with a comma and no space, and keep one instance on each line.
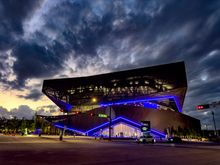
(85,151)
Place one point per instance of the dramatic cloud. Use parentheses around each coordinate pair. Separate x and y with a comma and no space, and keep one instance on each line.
(24,111)
(33,61)
(65,38)
(12,15)
(206,118)
(48,110)
(4,112)
(34,94)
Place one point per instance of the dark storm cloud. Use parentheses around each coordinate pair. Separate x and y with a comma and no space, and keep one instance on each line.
(34,94)
(35,61)
(86,28)
(12,13)
(82,27)
(185,30)
(3,65)
(79,27)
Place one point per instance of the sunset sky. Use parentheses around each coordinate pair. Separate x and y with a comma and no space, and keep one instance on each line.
(44,39)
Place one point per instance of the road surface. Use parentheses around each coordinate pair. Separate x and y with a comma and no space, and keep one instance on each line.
(85,151)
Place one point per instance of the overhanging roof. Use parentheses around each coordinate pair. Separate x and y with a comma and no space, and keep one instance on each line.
(123,85)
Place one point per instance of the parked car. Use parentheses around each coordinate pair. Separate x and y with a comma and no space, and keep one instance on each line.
(174,139)
(146,139)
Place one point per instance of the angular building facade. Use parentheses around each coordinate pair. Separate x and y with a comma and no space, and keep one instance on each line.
(121,101)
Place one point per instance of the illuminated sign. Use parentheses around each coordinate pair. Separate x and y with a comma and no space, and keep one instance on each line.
(145,126)
(102,115)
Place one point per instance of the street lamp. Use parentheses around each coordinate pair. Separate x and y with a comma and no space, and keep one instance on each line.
(213,117)
(94,100)
(207,106)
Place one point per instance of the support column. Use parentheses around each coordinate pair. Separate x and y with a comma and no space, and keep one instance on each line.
(110,123)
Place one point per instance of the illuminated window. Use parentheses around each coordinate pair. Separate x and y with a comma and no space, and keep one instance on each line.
(146,82)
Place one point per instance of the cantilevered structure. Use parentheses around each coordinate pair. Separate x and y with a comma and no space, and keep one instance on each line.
(154,94)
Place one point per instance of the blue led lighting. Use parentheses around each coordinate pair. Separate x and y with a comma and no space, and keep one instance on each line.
(177,104)
(107,123)
(150,105)
(144,100)
(137,124)
(61,104)
(100,126)
(130,121)
(152,130)
(71,129)
(104,124)
(126,120)
(114,120)
(124,123)
(157,132)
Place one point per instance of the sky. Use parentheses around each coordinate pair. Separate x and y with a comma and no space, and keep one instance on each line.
(45,39)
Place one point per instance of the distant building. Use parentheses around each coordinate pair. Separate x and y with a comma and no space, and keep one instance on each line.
(127,98)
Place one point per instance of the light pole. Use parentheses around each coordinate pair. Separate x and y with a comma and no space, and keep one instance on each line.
(62,133)
(207,106)
(205,129)
(213,117)
(110,123)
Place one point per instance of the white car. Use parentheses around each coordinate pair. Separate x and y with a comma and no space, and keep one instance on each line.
(146,139)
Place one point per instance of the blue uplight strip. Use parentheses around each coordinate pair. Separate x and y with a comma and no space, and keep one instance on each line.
(150,105)
(157,132)
(61,104)
(129,121)
(120,118)
(124,123)
(144,100)
(177,104)
(71,129)
(114,120)
(95,128)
